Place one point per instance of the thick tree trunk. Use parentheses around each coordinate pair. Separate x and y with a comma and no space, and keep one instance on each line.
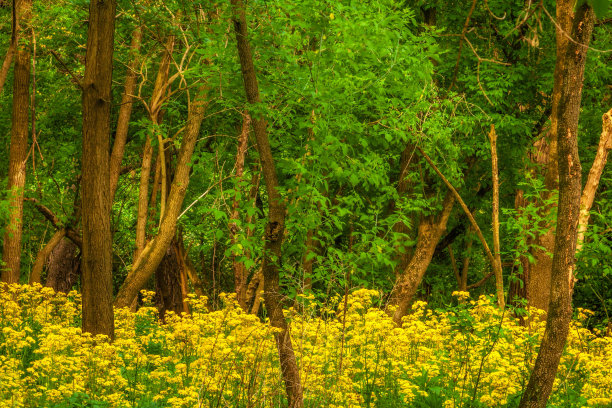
(11,251)
(571,56)
(148,261)
(168,283)
(97,284)
(63,267)
(275,226)
(429,232)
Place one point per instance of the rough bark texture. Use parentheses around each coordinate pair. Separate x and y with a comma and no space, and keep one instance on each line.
(429,232)
(125,112)
(154,251)
(97,284)
(571,57)
(11,251)
(538,283)
(275,226)
(168,283)
(63,267)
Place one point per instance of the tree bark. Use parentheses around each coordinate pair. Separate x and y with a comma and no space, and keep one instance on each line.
(429,232)
(275,226)
(63,267)
(11,251)
(97,284)
(154,108)
(240,271)
(125,112)
(148,261)
(43,254)
(590,188)
(497,269)
(571,56)
(168,283)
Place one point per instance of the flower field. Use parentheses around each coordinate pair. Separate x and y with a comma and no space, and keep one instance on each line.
(467,355)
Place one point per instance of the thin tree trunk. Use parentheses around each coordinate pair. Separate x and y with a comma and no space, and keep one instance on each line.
(429,232)
(97,283)
(11,251)
(6,65)
(154,251)
(590,188)
(155,106)
(240,272)
(125,112)
(143,198)
(275,226)
(497,269)
(466,264)
(571,56)
(476,228)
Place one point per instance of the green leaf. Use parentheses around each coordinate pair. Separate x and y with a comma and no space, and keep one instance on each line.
(600,7)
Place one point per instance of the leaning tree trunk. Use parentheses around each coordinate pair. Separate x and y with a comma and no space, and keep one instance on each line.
(429,232)
(154,251)
(275,226)
(125,112)
(97,282)
(571,56)
(11,251)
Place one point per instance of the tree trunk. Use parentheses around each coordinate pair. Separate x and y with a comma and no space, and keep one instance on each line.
(155,106)
(154,251)
(240,271)
(97,283)
(429,232)
(125,112)
(6,65)
(43,254)
(275,226)
(63,267)
(497,269)
(11,251)
(168,283)
(571,57)
(590,188)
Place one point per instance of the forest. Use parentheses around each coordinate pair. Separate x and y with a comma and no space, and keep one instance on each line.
(313,203)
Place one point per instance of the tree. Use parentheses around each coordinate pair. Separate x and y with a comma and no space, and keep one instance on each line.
(569,75)
(11,251)
(97,284)
(275,226)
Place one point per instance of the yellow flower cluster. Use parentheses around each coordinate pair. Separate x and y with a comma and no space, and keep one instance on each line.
(469,354)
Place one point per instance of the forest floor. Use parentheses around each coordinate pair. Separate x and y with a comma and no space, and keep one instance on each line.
(469,354)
